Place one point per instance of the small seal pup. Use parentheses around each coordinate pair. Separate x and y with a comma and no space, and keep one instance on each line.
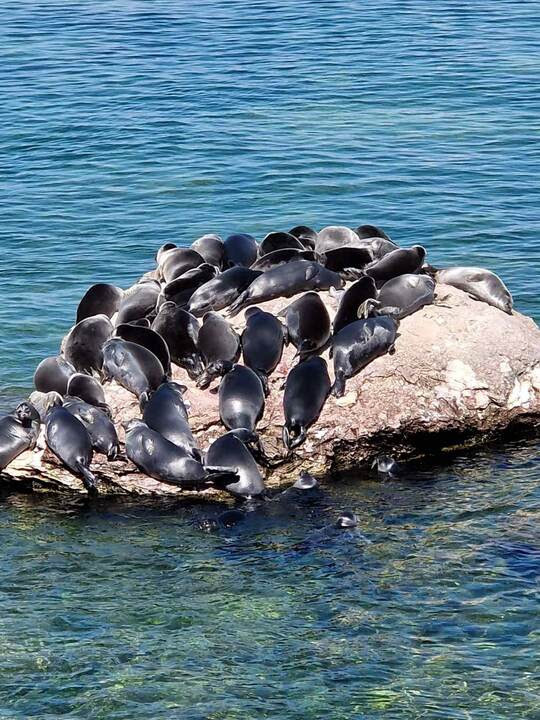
(53,374)
(84,342)
(133,367)
(306,389)
(352,299)
(308,324)
(18,432)
(358,344)
(221,291)
(100,299)
(99,426)
(219,346)
(166,413)
(69,440)
(180,330)
(240,249)
(263,339)
(162,460)
(230,451)
(480,284)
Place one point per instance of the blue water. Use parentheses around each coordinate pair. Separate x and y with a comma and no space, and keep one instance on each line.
(129,124)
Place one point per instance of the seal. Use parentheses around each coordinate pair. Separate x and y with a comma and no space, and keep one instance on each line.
(100,299)
(164,461)
(180,330)
(380,247)
(370,231)
(347,260)
(358,344)
(404,295)
(280,257)
(84,342)
(149,339)
(89,389)
(179,291)
(211,249)
(285,281)
(279,241)
(230,451)
(98,425)
(263,339)
(69,440)
(44,401)
(351,300)
(335,236)
(241,399)
(305,234)
(240,249)
(53,374)
(18,432)
(221,291)
(306,389)
(479,284)
(160,255)
(166,413)
(219,346)
(397,262)
(133,367)
(139,301)
(176,262)
(308,324)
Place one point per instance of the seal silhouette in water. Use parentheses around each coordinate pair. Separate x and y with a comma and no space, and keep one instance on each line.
(306,390)
(262,343)
(480,284)
(308,324)
(18,432)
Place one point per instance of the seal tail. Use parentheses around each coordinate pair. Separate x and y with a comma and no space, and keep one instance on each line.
(88,478)
(338,388)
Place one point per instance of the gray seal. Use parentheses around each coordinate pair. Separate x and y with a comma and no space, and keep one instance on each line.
(305,234)
(221,291)
(262,343)
(98,425)
(404,295)
(397,262)
(149,339)
(164,461)
(308,324)
(335,236)
(230,451)
(241,249)
(480,284)
(166,413)
(18,432)
(139,301)
(219,346)
(280,257)
(100,299)
(279,241)
(179,291)
(133,367)
(241,399)
(89,389)
(211,248)
(180,330)
(351,300)
(306,389)
(285,281)
(53,374)
(358,344)
(69,440)
(84,343)
(370,231)
(176,262)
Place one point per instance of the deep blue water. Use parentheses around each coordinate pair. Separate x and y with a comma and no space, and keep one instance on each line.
(129,124)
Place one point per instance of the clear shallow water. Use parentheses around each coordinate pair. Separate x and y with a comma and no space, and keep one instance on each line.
(129,124)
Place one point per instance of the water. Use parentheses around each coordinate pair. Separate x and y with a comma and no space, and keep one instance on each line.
(129,124)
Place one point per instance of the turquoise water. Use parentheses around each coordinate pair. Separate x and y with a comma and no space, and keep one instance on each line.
(129,124)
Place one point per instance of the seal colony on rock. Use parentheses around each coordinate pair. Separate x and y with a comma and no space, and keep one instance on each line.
(172,322)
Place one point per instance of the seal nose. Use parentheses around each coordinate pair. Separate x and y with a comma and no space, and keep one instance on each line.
(347,519)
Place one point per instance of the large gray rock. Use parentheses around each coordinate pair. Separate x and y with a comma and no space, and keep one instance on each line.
(462,372)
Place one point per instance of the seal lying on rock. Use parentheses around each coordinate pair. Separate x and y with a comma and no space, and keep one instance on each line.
(308,324)
(219,346)
(132,366)
(166,413)
(262,343)
(306,389)
(480,284)
(53,374)
(230,451)
(98,425)
(18,432)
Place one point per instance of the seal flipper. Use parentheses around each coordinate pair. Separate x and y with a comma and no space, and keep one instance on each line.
(338,388)
(88,478)
(291,441)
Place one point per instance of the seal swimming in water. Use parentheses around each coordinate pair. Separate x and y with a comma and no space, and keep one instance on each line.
(100,299)
(480,284)
(219,345)
(148,338)
(53,374)
(222,290)
(262,343)
(351,300)
(240,249)
(180,330)
(69,440)
(98,425)
(230,451)
(164,461)
(132,366)
(211,248)
(84,342)
(241,399)
(166,413)
(397,262)
(18,432)
(358,344)
(404,295)
(308,324)
(306,389)
(286,280)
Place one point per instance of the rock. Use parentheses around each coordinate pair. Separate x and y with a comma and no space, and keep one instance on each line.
(462,373)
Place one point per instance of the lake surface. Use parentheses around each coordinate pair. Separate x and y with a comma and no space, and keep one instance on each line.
(129,124)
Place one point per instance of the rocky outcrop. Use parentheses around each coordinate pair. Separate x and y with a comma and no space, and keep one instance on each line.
(462,372)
